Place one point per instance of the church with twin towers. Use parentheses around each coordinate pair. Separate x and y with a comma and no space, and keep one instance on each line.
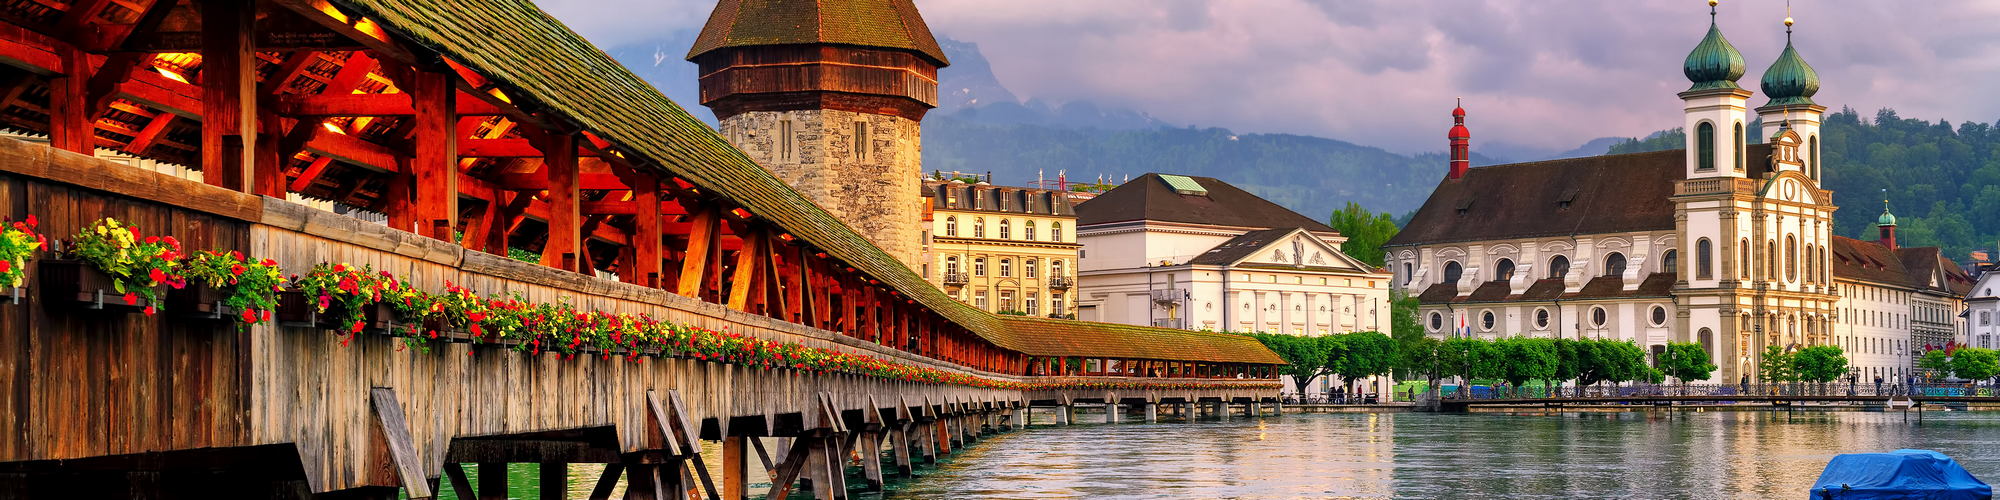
(1728,242)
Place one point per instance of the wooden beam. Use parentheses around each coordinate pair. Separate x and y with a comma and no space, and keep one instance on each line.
(607,481)
(461,486)
(795,462)
(310,174)
(345,103)
(351,24)
(393,434)
(537,181)
(554,481)
(565,216)
(648,232)
(685,431)
(436,160)
(72,125)
(492,481)
(228,92)
(702,252)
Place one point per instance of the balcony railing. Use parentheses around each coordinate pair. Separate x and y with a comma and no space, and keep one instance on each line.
(1168,297)
(956,279)
(1174,323)
(1061,282)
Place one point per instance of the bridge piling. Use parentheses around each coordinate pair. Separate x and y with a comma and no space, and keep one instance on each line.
(1152,413)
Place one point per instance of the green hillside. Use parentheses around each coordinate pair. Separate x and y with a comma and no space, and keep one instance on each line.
(1943,182)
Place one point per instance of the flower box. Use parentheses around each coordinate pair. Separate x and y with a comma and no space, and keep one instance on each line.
(13,295)
(73,283)
(199,301)
(298,311)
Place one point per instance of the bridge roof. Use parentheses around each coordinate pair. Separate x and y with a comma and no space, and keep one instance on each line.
(570,76)
(1058,337)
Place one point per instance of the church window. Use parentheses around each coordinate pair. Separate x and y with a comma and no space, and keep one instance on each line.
(1985,318)
(1743,260)
(862,147)
(1771,260)
(1486,321)
(979,266)
(979,227)
(1504,270)
(1703,253)
(1028,231)
(1614,265)
(1659,316)
(1452,271)
(951,225)
(1670,262)
(1028,268)
(1558,267)
(1812,149)
(1738,153)
(1006,229)
(1791,258)
(1006,268)
(785,140)
(1541,318)
(1705,146)
(1706,337)
(1598,317)
(1407,273)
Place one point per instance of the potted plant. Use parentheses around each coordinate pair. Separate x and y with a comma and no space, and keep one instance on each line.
(18,244)
(343,298)
(228,286)
(112,258)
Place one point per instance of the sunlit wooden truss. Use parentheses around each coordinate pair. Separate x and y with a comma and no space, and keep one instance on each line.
(300,96)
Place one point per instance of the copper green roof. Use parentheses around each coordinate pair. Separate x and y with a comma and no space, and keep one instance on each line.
(1714,63)
(885,24)
(1061,337)
(539,61)
(1887,219)
(1790,80)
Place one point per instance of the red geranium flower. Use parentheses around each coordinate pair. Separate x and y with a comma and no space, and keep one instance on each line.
(31,220)
(249,316)
(132,299)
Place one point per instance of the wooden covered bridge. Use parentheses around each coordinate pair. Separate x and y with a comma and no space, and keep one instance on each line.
(473,145)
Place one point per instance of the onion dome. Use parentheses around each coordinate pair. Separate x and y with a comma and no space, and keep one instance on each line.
(1887,219)
(1458,130)
(1790,80)
(1714,64)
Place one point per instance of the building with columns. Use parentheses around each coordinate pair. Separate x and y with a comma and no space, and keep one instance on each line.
(1197,253)
(1727,242)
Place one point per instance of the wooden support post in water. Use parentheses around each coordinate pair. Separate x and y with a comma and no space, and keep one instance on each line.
(1188,411)
(642,482)
(1111,412)
(554,481)
(461,486)
(1152,412)
(492,481)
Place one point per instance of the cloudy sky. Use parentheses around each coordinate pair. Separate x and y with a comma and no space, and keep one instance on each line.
(1543,73)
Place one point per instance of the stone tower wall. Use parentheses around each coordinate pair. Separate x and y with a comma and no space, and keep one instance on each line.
(876,192)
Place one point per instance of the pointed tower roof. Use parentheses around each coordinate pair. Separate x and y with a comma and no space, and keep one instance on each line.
(1790,80)
(885,24)
(1714,63)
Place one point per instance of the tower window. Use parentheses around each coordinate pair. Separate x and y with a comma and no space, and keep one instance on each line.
(1703,253)
(1738,154)
(1812,150)
(785,140)
(1743,259)
(1704,146)
(1791,258)
(862,146)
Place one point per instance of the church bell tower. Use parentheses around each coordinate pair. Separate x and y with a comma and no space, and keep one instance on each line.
(828,96)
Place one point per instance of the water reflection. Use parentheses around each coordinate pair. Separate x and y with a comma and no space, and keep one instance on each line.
(1538,455)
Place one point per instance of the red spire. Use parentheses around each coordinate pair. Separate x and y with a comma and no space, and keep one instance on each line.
(1461,143)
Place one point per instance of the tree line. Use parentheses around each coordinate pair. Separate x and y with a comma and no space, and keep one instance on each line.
(1970,363)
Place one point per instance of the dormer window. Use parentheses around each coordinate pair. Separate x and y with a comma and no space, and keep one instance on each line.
(1464,206)
(1567,197)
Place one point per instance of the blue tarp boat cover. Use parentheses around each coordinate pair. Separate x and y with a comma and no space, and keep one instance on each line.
(1900,474)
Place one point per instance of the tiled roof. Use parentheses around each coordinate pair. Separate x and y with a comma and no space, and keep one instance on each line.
(540,61)
(1589,195)
(1149,198)
(1239,247)
(1601,287)
(1904,267)
(946,195)
(1058,337)
(888,24)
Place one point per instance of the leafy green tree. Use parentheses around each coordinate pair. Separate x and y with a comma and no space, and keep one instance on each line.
(1819,364)
(1305,357)
(1776,366)
(1364,354)
(1685,361)
(1403,323)
(1627,362)
(1468,358)
(1566,364)
(1975,364)
(1937,362)
(1524,359)
(1423,358)
(1365,231)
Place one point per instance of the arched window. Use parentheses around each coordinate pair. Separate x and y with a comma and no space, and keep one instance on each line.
(979,266)
(1452,271)
(1670,261)
(1771,259)
(951,265)
(1706,337)
(1029,268)
(1006,229)
(1738,153)
(1812,149)
(1704,156)
(1703,255)
(1028,231)
(1558,267)
(1407,273)
(1743,261)
(979,227)
(1504,270)
(1807,265)
(1055,231)
(1006,268)
(1614,265)
(1791,258)
(1056,268)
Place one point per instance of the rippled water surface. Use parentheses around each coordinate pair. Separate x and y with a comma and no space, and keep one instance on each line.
(1730,454)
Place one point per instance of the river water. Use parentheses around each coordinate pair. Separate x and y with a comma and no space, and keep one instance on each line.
(1659,454)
